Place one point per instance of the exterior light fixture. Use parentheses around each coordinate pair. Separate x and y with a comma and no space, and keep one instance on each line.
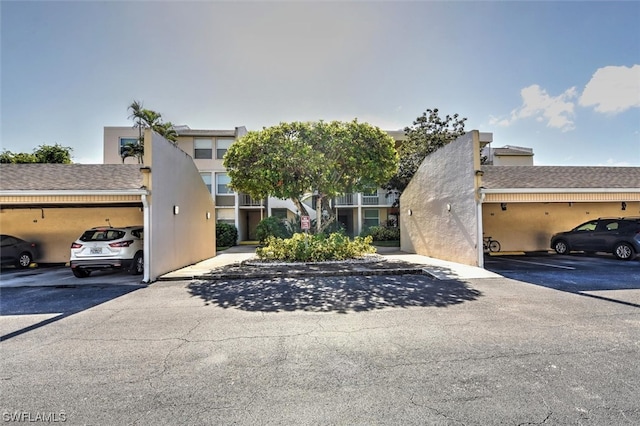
(176,209)
(503,206)
(409,212)
(208,215)
(448,207)
(623,206)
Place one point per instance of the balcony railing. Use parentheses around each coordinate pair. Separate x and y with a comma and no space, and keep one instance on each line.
(247,201)
(346,200)
(379,199)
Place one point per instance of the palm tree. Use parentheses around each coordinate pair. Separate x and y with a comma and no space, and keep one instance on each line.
(147,119)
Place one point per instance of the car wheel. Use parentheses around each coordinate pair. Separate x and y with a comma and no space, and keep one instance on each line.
(80,273)
(561,247)
(137,266)
(24,260)
(623,251)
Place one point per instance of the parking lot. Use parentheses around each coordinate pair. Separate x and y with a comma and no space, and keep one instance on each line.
(57,276)
(595,275)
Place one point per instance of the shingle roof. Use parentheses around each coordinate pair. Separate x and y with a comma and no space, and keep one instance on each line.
(78,177)
(496,177)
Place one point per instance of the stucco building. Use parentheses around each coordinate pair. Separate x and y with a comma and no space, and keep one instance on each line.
(453,201)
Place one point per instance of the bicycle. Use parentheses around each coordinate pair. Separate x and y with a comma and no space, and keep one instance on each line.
(490,245)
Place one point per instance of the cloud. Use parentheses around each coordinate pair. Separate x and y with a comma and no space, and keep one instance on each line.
(613,89)
(555,111)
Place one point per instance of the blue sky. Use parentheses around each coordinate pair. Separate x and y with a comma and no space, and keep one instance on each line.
(560,77)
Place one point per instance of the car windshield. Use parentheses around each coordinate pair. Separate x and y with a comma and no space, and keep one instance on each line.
(102,235)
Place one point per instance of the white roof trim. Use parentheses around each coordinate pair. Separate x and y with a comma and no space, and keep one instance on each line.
(556,190)
(67,192)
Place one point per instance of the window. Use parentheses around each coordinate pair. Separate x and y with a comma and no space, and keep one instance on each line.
(222,145)
(279,213)
(206,177)
(124,142)
(222,184)
(203,148)
(371,217)
(589,226)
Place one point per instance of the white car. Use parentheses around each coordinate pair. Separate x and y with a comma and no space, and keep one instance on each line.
(108,248)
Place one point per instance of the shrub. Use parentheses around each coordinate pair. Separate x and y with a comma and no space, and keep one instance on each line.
(226,235)
(315,248)
(271,227)
(382,233)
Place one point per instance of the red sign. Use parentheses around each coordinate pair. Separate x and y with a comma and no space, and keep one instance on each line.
(305,222)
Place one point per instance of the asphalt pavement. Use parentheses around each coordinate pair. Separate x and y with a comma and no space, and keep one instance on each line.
(385,349)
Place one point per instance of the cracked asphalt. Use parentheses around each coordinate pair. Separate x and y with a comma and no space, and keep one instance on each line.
(344,350)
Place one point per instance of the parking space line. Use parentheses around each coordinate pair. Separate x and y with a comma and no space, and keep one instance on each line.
(542,264)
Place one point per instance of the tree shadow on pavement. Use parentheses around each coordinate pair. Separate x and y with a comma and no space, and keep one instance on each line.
(55,303)
(334,294)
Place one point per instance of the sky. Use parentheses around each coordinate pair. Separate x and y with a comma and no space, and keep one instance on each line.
(561,77)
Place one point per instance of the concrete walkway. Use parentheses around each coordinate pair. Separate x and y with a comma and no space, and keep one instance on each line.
(438,268)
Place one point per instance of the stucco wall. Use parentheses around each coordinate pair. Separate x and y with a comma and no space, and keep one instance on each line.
(529,226)
(111,144)
(54,229)
(446,177)
(179,239)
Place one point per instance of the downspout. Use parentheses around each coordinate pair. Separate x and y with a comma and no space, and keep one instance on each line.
(479,242)
(147,239)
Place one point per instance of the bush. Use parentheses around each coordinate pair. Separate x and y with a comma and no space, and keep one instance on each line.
(382,233)
(226,235)
(271,227)
(315,248)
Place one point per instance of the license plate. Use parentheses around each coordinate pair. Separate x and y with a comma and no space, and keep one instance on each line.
(96,250)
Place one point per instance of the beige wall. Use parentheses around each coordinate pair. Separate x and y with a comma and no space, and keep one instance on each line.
(529,226)
(179,239)
(446,177)
(54,229)
(111,144)
(513,160)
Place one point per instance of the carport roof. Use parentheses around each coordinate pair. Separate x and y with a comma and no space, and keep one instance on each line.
(70,177)
(569,177)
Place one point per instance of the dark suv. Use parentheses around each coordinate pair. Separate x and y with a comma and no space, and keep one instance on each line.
(620,236)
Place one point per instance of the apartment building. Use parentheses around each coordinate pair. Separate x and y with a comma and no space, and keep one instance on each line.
(355,211)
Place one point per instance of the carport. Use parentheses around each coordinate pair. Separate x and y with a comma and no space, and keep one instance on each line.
(523,206)
(453,201)
(51,204)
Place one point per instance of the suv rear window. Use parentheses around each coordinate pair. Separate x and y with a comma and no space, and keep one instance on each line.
(102,235)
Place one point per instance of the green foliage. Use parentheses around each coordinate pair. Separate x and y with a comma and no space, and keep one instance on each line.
(382,233)
(147,119)
(53,154)
(57,154)
(315,248)
(327,159)
(226,235)
(271,227)
(428,133)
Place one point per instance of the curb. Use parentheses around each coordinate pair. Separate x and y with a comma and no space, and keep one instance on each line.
(212,276)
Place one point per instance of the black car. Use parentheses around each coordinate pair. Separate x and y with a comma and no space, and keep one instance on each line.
(15,251)
(620,236)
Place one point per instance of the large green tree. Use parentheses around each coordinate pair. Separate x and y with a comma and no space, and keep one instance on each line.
(42,154)
(146,119)
(325,159)
(428,133)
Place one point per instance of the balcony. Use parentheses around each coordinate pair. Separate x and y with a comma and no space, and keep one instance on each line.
(247,201)
(346,200)
(378,199)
